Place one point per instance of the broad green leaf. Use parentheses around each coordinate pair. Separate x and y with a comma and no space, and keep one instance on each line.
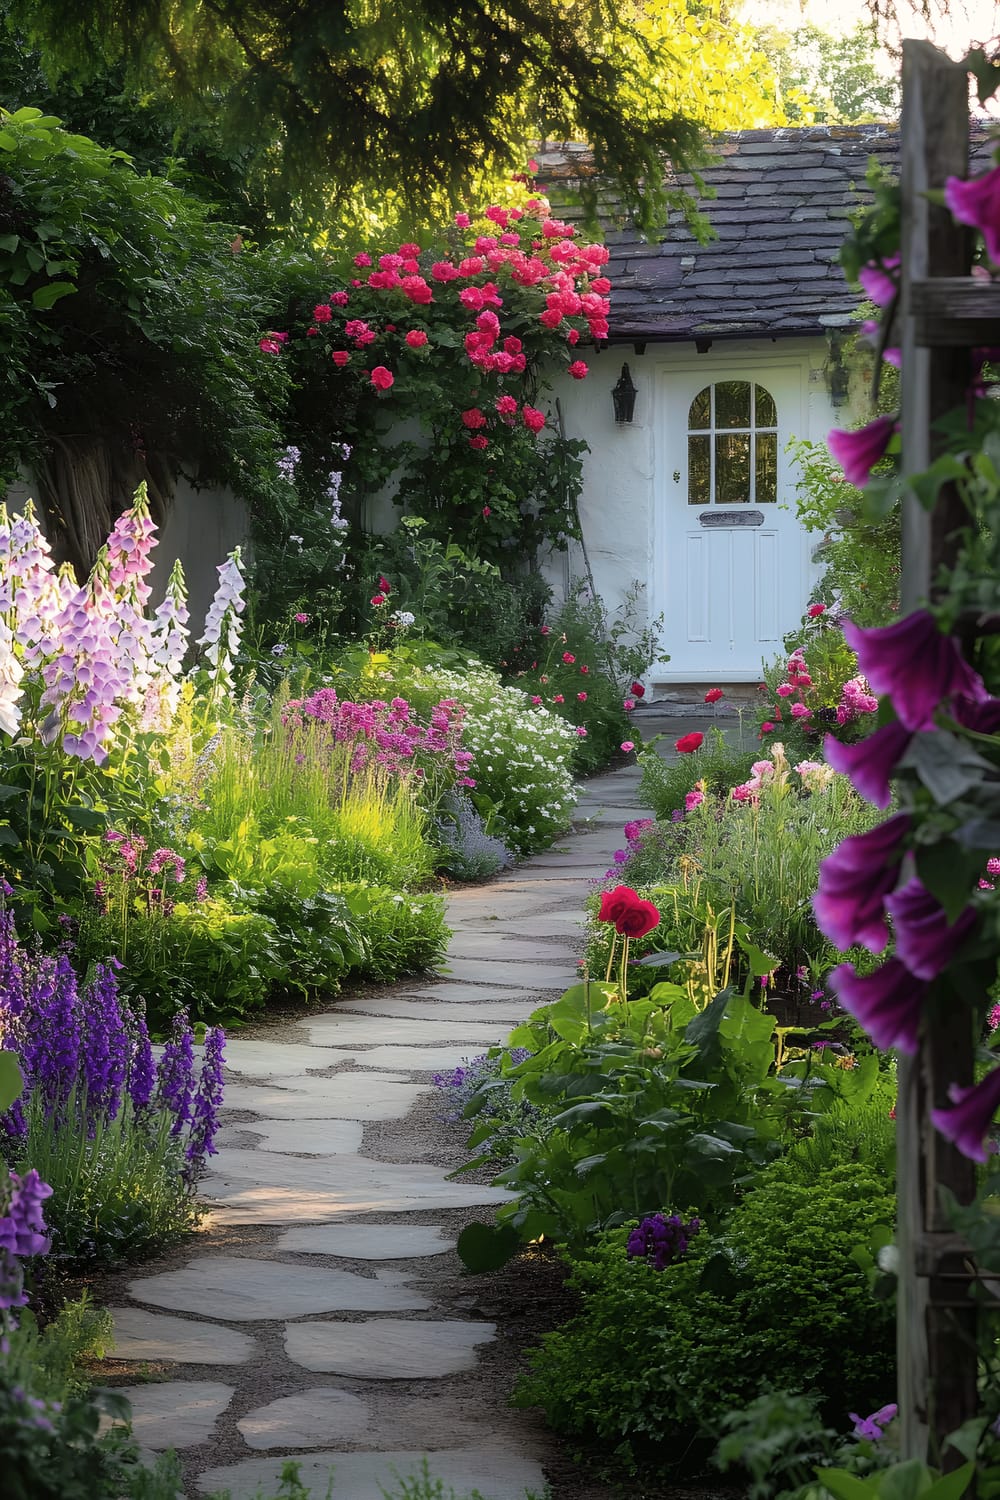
(949,1487)
(846,1486)
(948,871)
(945,764)
(487,1247)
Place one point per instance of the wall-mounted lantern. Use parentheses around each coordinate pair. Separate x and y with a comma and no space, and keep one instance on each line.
(623,396)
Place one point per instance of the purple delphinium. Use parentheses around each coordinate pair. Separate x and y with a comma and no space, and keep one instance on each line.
(968,1120)
(887,1003)
(175,1075)
(50,1052)
(22,1234)
(869,764)
(917,666)
(660,1240)
(205,1109)
(142,1067)
(106,1046)
(854,882)
(925,940)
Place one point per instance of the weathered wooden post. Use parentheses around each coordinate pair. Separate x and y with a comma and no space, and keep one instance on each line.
(937,1318)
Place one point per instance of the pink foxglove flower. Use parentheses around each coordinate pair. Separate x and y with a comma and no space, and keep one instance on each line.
(977,202)
(870,764)
(926,941)
(858,452)
(854,882)
(887,1003)
(916,665)
(969,1119)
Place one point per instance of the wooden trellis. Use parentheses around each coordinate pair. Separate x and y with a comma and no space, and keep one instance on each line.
(944,314)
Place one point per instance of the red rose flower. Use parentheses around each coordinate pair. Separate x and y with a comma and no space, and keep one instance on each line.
(382,378)
(479,443)
(615,903)
(638,919)
(637,690)
(578,370)
(688,743)
(713,695)
(815,610)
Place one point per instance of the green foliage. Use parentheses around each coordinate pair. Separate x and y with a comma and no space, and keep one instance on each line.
(118,1195)
(780,1441)
(861,561)
(764,856)
(400,103)
(831,79)
(717,762)
(135,323)
(641,1104)
(49,1359)
(654,1359)
(403,933)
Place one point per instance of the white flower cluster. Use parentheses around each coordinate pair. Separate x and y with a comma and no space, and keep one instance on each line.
(522,756)
(221,639)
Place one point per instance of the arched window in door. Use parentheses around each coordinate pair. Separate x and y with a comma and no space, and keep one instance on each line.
(733,445)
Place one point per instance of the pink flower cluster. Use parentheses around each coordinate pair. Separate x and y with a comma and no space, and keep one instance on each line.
(855,699)
(384,734)
(543,253)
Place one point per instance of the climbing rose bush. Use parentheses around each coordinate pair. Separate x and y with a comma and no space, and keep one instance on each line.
(456,336)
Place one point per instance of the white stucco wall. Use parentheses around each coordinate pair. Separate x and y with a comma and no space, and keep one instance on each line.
(622,500)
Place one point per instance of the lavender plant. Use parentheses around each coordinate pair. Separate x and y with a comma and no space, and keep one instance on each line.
(480,1087)
(122,1140)
(468,852)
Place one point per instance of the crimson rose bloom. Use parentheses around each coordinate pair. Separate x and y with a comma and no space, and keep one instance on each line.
(713,695)
(382,378)
(638,919)
(615,903)
(637,690)
(688,743)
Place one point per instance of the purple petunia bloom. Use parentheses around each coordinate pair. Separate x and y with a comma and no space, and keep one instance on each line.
(887,1003)
(925,940)
(870,763)
(660,1240)
(916,665)
(854,881)
(858,452)
(977,202)
(967,1122)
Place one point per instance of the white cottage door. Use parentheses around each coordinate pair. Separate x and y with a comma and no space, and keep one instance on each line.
(731,570)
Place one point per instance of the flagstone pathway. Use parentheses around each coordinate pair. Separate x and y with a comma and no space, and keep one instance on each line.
(318,1316)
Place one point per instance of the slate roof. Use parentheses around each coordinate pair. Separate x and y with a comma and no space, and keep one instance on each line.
(780,211)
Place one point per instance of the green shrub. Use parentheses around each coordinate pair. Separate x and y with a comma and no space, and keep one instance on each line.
(403,933)
(654,1359)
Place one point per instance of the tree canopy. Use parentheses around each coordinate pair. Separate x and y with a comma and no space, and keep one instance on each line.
(430,100)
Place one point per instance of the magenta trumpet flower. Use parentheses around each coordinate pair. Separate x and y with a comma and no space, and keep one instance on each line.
(858,452)
(916,665)
(926,941)
(967,1123)
(877,282)
(887,1003)
(869,764)
(853,884)
(977,202)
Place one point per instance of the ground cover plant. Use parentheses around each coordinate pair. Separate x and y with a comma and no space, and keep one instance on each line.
(662,1348)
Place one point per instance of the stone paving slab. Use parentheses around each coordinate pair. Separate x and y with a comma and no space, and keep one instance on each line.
(418,1059)
(254,1187)
(506,945)
(333,1030)
(529,976)
(367,1241)
(240,1289)
(180,1414)
(256,1058)
(142,1335)
(482,1007)
(353,1096)
(387,1348)
(367,1476)
(311,1419)
(299,1137)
